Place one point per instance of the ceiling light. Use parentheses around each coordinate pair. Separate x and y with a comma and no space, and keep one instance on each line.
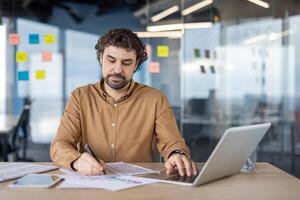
(256,39)
(180,26)
(168,34)
(260,3)
(165,13)
(197,6)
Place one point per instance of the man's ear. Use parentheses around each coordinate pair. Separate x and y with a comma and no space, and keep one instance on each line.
(101,59)
(136,66)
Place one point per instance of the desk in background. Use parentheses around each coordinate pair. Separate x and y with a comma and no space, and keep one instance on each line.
(7,124)
(268,182)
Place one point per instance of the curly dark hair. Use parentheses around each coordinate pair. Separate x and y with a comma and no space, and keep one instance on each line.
(123,38)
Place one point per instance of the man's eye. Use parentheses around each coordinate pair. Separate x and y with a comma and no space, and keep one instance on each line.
(112,61)
(126,64)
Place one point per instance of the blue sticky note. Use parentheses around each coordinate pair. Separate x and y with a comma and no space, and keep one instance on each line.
(23,75)
(34,39)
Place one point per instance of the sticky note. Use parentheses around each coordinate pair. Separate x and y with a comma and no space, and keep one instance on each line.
(162,51)
(207,53)
(14,39)
(21,56)
(215,54)
(202,68)
(23,75)
(212,69)
(40,74)
(34,39)
(154,67)
(46,56)
(197,53)
(49,38)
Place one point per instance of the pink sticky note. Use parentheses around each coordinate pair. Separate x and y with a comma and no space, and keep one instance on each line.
(14,39)
(46,56)
(154,67)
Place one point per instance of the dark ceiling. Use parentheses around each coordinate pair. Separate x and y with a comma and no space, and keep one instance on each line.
(143,9)
(42,9)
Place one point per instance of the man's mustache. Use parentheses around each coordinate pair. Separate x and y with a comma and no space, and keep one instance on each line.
(116,76)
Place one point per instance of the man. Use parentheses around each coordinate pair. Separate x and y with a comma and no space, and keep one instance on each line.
(118,117)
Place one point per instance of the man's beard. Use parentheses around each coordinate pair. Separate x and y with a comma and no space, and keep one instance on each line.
(118,84)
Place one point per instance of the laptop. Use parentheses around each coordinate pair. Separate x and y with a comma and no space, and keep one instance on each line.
(228,157)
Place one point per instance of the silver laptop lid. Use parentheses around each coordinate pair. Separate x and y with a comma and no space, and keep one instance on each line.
(233,149)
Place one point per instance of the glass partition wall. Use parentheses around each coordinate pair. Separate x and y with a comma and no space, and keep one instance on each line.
(235,64)
(240,72)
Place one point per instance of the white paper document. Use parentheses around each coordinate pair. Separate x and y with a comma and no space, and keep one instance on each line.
(113,169)
(118,177)
(10,171)
(108,183)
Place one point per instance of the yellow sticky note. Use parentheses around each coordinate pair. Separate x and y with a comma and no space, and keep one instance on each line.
(21,56)
(40,74)
(49,38)
(162,51)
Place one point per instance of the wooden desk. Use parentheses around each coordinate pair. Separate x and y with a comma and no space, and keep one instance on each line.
(268,182)
(7,124)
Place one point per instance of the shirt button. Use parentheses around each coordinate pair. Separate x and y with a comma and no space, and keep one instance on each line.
(113,124)
(112,146)
(115,105)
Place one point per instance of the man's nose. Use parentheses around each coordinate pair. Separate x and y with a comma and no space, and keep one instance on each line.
(118,68)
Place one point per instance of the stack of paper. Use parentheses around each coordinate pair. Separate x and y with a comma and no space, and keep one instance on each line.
(118,178)
(9,171)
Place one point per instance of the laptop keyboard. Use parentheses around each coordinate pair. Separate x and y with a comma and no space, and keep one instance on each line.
(185,179)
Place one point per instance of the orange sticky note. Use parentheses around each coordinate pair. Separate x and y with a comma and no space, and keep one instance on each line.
(49,38)
(40,74)
(14,39)
(154,67)
(162,51)
(21,56)
(46,56)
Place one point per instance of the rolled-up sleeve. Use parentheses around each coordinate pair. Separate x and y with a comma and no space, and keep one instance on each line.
(166,130)
(63,148)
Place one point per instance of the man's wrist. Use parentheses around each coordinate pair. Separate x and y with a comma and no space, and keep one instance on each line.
(177,152)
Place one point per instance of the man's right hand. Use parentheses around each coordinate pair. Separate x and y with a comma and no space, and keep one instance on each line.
(87,165)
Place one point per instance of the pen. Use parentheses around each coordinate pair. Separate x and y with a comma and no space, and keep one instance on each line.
(89,151)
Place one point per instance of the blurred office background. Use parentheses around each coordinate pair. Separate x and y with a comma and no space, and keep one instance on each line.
(221,63)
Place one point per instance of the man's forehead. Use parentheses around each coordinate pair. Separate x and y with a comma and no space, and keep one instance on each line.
(119,52)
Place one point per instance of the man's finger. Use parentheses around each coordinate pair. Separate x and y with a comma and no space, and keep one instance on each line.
(92,161)
(169,167)
(195,170)
(96,171)
(187,165)
(102,162)
(180,165)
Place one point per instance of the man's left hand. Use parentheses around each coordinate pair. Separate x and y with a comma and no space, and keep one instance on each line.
(182,163)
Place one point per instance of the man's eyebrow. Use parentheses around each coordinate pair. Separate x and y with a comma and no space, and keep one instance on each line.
(129,59)
(111,56)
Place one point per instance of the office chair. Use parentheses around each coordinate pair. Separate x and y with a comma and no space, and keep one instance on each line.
(17,140)
(21,140)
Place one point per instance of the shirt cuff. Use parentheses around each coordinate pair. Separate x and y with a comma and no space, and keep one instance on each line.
(168,154)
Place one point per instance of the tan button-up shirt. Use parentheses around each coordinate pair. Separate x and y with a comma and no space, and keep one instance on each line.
(116,131)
